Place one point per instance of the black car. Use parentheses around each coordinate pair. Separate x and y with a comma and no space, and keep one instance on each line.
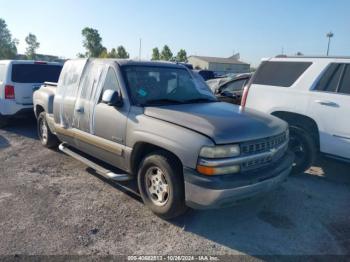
(206,74)
(230,90)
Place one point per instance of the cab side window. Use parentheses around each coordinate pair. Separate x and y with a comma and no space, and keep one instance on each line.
(111,82)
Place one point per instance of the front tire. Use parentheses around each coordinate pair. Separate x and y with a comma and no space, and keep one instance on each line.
(303,145)
(161,184)
(45,135)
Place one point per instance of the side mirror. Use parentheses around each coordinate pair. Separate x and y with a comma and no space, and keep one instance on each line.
(112,98)
(228,94)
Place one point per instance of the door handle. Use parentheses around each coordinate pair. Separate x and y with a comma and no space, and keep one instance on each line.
(79,109)
(327,103)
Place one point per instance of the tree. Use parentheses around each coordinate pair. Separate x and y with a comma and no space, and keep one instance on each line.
(113,53)
(181,56)
(104,53)
(166,53)
(8,49)
(121,52)
(33,45)
(155,54)
(92,42)
(299,54)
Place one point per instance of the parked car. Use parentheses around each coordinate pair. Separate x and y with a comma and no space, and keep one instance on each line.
(214,83)
(18,80)
(161,125)
(206,74)
(231,89)
(313,95)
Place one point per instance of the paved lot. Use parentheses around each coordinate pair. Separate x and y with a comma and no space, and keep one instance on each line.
(52,204)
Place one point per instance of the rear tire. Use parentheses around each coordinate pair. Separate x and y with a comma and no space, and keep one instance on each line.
(161,184)
(304,147)
(3,122)
(47,139)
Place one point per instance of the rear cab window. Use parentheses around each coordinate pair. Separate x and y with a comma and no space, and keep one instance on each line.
(35,73)
(280,73)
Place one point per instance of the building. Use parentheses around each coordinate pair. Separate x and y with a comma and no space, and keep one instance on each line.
(220,65)
(41,57)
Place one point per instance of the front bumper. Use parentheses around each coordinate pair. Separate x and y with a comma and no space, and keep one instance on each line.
(205,192)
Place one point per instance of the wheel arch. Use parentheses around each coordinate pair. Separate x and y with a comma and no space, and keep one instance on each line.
(38,110)
(301,121)
(141,149)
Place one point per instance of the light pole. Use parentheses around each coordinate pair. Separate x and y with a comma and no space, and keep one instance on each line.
(329,35)
(140,49)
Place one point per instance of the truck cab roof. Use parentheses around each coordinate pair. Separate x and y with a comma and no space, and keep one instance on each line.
(132,62)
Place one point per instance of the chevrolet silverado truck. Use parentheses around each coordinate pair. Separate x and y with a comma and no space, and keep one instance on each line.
(159,123)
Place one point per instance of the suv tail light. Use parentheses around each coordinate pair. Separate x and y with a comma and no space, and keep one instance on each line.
(9,92)
(245,95)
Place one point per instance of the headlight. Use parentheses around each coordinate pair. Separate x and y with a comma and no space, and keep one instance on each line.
(220,151)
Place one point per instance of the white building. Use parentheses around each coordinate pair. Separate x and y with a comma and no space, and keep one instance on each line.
(219,65)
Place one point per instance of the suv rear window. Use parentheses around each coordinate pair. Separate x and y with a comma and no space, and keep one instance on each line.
(280,73)
(35,73)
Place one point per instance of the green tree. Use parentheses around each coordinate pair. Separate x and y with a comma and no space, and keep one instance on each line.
(104,53)
(92,42)
(181,56)
(113,53)
(8,49)
(33,45)
(166,54)
(121,52)
(155,54)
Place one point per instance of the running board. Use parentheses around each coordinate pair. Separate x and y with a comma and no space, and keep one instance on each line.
(99,169)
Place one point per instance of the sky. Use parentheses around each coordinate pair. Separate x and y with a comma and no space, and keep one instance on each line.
(254,28)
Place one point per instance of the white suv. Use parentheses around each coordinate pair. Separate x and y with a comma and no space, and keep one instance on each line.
(313,95)
(18,80)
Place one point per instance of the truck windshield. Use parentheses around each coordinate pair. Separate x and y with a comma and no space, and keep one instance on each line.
(151,85)
(35,73)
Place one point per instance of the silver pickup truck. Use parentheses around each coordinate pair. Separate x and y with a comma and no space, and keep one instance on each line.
(160,124)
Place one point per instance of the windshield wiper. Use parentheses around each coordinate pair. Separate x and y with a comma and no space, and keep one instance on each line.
(200,100)
(162,101)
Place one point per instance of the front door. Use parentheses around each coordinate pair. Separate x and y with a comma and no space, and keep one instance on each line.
(109,122)
(330,106)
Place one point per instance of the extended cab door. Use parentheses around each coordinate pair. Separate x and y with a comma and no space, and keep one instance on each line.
(330,107)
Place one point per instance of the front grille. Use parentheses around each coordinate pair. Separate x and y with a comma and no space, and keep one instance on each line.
(257,162)
(252,148)
(263,145)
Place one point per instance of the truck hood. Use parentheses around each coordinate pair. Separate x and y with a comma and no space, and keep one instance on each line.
(224,123)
